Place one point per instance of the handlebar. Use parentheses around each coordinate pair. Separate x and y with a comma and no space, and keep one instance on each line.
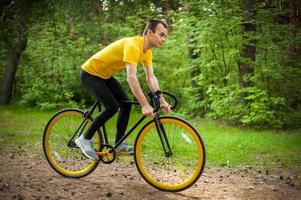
(155,99)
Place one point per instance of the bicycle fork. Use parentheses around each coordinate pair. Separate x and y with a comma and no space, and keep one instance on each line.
(163,138)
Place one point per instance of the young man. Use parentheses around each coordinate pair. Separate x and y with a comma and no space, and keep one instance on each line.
(97,75)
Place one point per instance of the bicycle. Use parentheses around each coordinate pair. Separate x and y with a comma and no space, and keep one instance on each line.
(169,153)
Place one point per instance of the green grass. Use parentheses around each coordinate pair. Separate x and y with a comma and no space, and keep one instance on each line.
(22,128)
(228,145)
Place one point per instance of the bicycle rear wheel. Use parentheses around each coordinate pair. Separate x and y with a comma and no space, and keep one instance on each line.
(178,171)
(61,153)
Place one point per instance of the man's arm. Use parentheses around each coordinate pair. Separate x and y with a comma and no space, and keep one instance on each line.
(153,84)
(136,89)
(151,79)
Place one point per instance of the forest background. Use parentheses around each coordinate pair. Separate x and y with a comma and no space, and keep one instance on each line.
(230,60)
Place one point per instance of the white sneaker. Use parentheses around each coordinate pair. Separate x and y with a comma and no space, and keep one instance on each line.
(86,147)
(125,148)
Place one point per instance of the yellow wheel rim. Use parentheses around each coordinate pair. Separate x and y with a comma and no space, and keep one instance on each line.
(65,160)
(183,172)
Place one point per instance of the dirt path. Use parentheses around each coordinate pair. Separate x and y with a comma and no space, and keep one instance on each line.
(25,176)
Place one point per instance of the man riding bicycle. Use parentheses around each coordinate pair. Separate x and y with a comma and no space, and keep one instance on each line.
(97,75)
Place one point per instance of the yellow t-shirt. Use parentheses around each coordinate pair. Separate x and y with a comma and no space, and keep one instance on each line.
(115,56)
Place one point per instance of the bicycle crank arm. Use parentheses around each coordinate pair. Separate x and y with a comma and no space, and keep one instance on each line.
(108,154)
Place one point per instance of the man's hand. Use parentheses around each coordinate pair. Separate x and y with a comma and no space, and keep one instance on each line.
(165,107)
(147,110)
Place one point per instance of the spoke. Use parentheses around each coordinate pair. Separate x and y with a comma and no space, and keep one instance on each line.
(181,165)
(68,159)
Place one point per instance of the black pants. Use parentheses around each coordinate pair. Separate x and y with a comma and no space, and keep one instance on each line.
(110,93)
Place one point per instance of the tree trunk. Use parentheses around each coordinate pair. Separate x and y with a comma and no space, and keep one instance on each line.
(295,18)
(295,48)
(11,69)
(195,71)
(246,68)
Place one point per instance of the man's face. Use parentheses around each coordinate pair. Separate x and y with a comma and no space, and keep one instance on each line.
(158,37)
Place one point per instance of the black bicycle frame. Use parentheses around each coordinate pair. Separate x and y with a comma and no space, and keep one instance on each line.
(103,133)
(163,138)
(82,126)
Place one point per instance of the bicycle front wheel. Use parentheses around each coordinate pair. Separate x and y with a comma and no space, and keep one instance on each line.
(60,151)
(175,172)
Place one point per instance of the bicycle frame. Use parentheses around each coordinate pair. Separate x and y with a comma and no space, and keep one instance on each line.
(163,144)
(103,133)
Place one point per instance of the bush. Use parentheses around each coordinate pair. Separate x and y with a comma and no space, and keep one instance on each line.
(47,95)
(263,110)
(250,106)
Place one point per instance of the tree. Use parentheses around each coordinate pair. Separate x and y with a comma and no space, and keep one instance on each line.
(295,19)
(246,66)
(15,18)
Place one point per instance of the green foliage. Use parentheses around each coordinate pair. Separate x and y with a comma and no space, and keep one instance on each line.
(215,37)
(263,110)
(171,61)
(225,103)
(199,61)
(47,97)
(57,46)
(250,106)
(49,76)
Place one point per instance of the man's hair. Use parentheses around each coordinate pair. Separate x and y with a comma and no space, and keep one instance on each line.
(152,25)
